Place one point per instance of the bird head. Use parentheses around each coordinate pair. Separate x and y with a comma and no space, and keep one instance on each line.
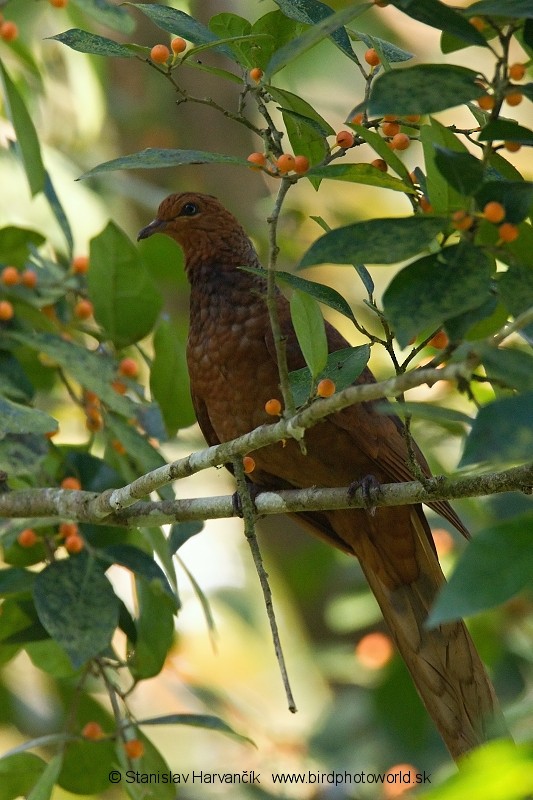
(205,230)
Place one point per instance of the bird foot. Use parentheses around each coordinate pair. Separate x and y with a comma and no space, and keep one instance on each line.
(370,488)
(236,501)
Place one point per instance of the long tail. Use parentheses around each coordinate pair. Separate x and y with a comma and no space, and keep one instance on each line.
(397,556)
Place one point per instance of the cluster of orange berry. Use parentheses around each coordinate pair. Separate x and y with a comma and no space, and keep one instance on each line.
(68,532)
(93,732)
(11,276)
(493,212)
(284,164)
(513,96)
(9,30)
(160,53)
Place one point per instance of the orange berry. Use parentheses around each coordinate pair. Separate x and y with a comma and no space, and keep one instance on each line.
(178,45)
(159,53)
(440,340)
(378,163)
(477,22)
(508,232)
(357,120)
(399,780)
(27,537)
(374,650)
(7,311)
(512,147)
(90,398)
(119,448)
(256,74)
(10,276)
(74,543)
(301,164)
(443,541)
(70,483)
(83,309)
(92,730)
(425,205)
(58,3)
(390,128)
(372,57)
(462,221)
(273,407)
(285,163)
(494,212)
(514,98)
(51,434)
(9,30)
(248,464)
(119,387)
(486,102)
(517,72)
(29,278)
(128,367)
(94,421)
(413,118)
(400,141)
(257,160)
(134,748)
(390,118)
(80,265)
(326,387)
(67,529)
(381,3)
(345,139)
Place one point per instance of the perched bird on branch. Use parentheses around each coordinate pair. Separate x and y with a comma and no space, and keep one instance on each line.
(233,372)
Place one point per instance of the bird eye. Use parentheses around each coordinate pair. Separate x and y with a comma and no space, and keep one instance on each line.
(189,210)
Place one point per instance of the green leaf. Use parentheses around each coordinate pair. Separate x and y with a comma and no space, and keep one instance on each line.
(155,630)
(15,418)
(507,131)
(43,788)
(59,212)
(126,302)
(306,138)
(14,580)
(479,775)
(21,455)
(206,721)
(392,52)
(227,25)
(181,532)
(77,606)
(516,288)
(280,30)
(376,241)
(437,15)
(93,369)
(324,294)
(159,158)
(18,773)
(423,89)
(496,564)
(447,417)
(380,146)
(502,432)
(138,562)
(512,8)
(169,378)
(343,367)
(510,366)
(27,144)
(85,42)
(311,12)
(429,291)
(361,173)
(442,196)
(310,330)
(292,102)
(463,171)
(515,196)
(16,244)
(181,24)
(108,14)
(50,657)
(329,24)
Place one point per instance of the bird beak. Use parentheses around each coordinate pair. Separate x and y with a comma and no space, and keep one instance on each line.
(156,226)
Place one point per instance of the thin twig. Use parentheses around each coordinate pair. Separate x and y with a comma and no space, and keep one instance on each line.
(248,512)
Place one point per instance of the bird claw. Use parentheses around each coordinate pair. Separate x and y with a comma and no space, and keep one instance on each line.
(370,488)
(236,502)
